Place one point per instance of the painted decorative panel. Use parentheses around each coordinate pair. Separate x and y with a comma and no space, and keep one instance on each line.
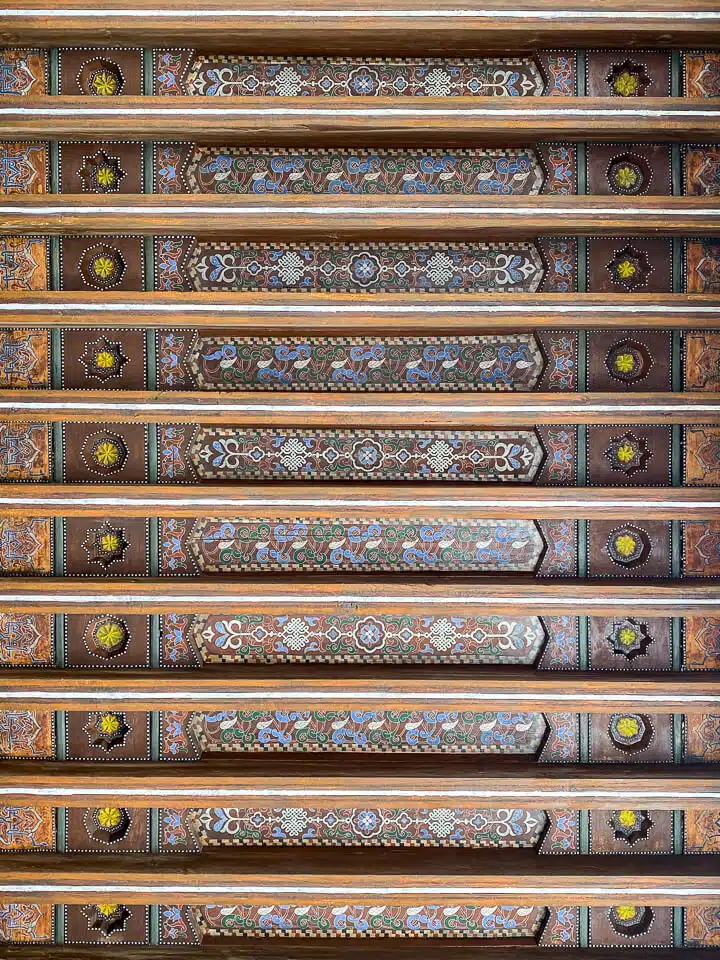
(702,926)
(631,738)
(702,361)
(629,169)
(24,263)
(107,924)
(243,170)
(490,362)
(262,638)
(275,920)
(702,266)
(24,359)
(26,922)
(621,73)
(101,167)
(104,72)
(631,926)
(702,737)
(352,267)
(629,361)
(182,72)
(26,639)
(25,451)
(371,826)
(702,831)
(26,733)
(102,263)
(631,831)
(23,72)
(296,544)
(629,265)
(93,359)
(26,545)
(702,74)
(562,928)
(630,643)
(231,453)
(701,171)
(386,731)
(701,548)
(178,925)
(23,167)
(702,456)
(30,829)
(701,643)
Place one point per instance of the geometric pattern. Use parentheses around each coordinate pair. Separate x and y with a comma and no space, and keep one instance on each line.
(702,74)
(23,167)
(26,922)
(27,828)
(24,358)
(702,737)
(25,545)
(26,639)
(23,263)
(702,456)
(22,72)
(423,920)
(26,733)
(701,643)
(702,926)
(702,361)
(24,451)
(232,453)
(702,831)
(373,826)
(383,638)
(380,267)
(386,731)
(223,76)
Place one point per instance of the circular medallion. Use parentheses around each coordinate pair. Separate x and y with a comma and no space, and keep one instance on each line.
(628,546)
(104,453)
(108,824)
(630,921)
(102,267)
(630,732)
(107,637)
(100,78)
(628,362)
(628,176)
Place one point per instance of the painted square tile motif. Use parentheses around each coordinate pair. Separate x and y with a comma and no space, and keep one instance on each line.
(702,361)
(24,359)
(702,74)
(701,548)
(24,452)
(101,167)
(101,263)
(106,548)
(105,453)
(639,360)
(26,923)
(631,831)
(629,169)
(702,456)
(702,926)
(701,170)
(701,643)
(23,263)
(26,546)
(632,456)
(630,643)
(107,735)
(100,72)
(628,549)
(26,733)
(631,926)
(631,738)
(97,923)
(629,265)
(30,829)
(23,168)
(631,73)
(26,639)
(103,360)
(702,831)
(23,72)
(107,640)
(702,266)
(702,737)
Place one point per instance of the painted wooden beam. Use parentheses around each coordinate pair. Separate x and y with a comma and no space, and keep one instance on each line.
(454,595)
(469,782)
(281,314)
(388,29)
(449,411)
(321,500)
(385,218)
(262,876)
(282,687)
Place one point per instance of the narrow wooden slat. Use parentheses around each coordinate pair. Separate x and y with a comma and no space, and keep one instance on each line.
(272,217)
(330,876)
(280,314)
(351,121)
(321,500)
(448,411)
(332,595)
(272,781)
(315,26)
(280,687)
